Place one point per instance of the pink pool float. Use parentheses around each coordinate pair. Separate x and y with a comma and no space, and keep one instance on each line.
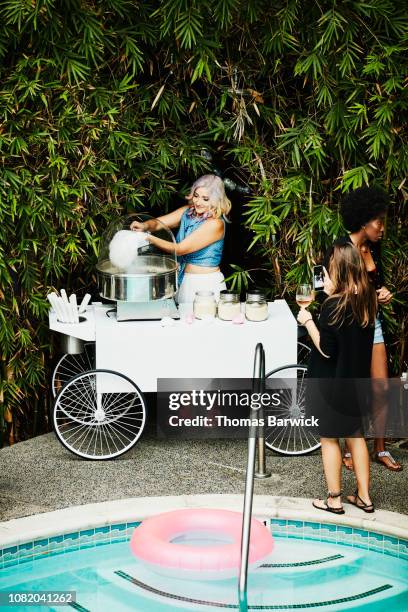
(198,543)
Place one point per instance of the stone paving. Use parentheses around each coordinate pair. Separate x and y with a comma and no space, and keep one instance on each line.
(39,475)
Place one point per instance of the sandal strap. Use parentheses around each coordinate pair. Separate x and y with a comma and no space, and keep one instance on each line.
(347,455)
(332,495)
(364,505)
(386,454)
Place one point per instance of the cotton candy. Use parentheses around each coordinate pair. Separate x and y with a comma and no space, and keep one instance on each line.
(123,248)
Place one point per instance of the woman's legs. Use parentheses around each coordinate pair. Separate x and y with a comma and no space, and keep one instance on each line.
(379,370)
(331,455)
(361,462)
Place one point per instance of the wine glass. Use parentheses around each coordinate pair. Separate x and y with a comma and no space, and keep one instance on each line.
(304,295)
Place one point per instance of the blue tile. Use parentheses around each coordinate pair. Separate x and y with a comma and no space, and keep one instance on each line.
(296,536)
(282,522)
(57,539)
(87,533)
(40,556)
(378,549)
(389,540)
(344,529)
(27,546)
(11,550)
(360,532)
(71,536)
(132,525)
(376,536)
(403,546)
(84,545)
(120,527)
(104,530)
(41,542)
(314,526)
(298,524)
(25,560)
(119,539)
(69,549)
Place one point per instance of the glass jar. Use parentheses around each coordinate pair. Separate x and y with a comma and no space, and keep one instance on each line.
(229,305)
(204,304)
(256,306)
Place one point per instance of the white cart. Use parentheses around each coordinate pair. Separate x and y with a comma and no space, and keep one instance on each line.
(99,410)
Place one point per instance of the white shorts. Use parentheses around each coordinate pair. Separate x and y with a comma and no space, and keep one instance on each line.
(213,281)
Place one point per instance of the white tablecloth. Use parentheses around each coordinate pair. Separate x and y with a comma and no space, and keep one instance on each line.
(145,351)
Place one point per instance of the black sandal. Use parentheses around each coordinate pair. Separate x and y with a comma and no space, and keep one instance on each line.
(368,508)
(328,508)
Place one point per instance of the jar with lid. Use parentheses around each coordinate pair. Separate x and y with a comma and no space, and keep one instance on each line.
(229,305)
(256,306)
(204,304)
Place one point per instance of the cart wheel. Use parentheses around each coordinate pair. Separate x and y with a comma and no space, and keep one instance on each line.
(291,440)
(303,352)
(71,365)
(101,424)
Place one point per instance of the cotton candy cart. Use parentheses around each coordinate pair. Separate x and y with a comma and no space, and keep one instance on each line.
(99,383)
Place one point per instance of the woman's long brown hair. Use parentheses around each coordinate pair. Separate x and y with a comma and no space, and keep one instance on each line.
(352,286)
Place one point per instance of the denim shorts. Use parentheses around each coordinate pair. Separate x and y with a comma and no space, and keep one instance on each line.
(378,335)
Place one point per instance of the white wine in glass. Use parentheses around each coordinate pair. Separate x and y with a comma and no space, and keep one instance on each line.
(304,296)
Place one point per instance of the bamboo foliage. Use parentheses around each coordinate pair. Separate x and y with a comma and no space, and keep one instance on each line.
(108,106)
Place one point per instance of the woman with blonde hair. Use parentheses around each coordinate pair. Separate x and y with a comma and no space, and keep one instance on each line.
(341,356)
(200,238)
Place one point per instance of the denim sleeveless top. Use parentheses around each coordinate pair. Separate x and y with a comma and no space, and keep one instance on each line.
(208,256)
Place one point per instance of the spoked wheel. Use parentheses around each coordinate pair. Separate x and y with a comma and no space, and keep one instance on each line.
(303,352)
(71,365)
(286,438)
(99,414)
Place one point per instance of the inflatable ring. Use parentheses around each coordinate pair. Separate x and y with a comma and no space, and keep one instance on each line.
(202,543)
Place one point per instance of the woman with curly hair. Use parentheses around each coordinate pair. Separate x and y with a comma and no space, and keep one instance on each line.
(363,211)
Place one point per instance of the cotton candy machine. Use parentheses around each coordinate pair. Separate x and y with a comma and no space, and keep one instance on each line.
(144,286)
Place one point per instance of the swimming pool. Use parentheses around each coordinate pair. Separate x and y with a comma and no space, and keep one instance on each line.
(314,566)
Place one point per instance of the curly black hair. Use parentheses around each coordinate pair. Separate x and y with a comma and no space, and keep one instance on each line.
(360,206)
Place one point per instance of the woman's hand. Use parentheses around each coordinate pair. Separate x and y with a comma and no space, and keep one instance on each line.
(304,316)
(327,284)
(384,296)
(137,226)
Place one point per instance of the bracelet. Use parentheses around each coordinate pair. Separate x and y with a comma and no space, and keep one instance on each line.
(311,319)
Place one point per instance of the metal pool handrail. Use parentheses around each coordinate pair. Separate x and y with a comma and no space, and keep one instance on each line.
(258,382)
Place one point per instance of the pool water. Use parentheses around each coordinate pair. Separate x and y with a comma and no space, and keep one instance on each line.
(301,574)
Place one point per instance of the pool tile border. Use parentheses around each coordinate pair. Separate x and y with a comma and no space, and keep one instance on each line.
(340,534)
(68,542)
(281,528)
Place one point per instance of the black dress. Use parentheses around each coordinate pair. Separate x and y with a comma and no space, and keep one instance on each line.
(339,398)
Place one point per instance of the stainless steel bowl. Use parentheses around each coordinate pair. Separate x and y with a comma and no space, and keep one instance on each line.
(151,277)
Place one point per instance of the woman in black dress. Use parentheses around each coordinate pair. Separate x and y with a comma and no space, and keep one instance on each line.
(341,354)
(363,211)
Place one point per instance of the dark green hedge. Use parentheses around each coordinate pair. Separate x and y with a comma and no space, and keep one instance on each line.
(109,105)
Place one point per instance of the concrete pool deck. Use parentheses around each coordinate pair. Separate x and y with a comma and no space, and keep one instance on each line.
(40,476)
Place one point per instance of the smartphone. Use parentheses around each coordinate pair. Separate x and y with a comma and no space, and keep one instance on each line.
(318,278)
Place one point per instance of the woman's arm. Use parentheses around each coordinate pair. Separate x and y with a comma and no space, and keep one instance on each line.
(210,231)
(171,220)
(305,318)
(384,295)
